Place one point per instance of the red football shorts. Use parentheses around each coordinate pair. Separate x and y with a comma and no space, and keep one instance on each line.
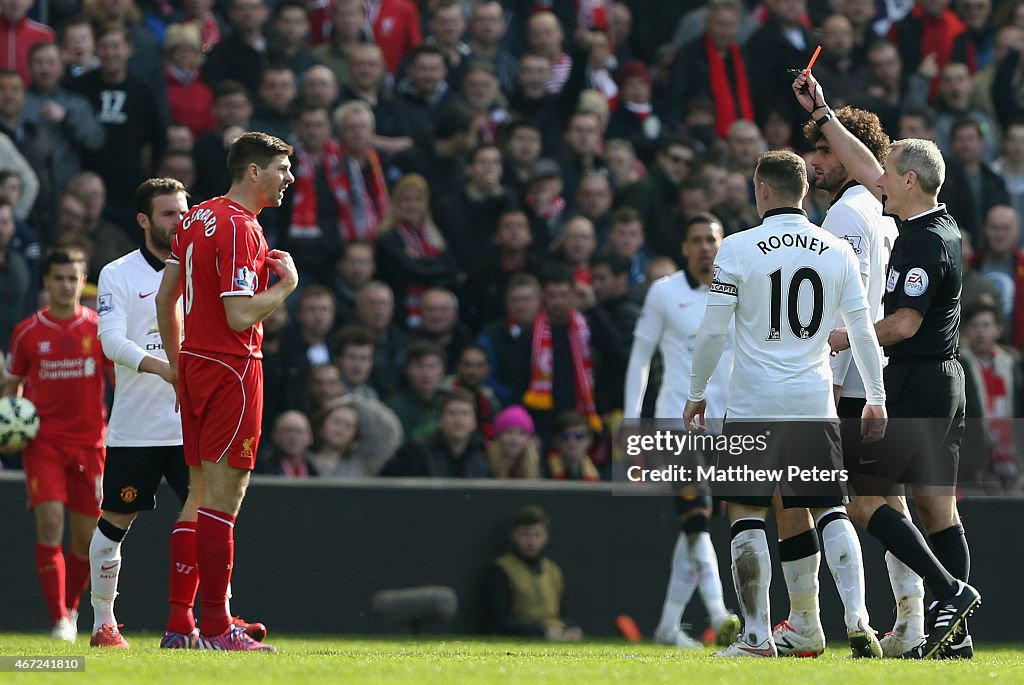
(57,472)
(221,408)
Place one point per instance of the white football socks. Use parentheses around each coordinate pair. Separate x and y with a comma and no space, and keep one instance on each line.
(681,584)
(752,574)
(802,583)
(105,567)
(841,546)
(705,562)
(908,589)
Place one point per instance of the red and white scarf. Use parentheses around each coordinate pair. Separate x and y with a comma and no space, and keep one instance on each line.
(342,172)
(539,395)
(423,242)
(721,90)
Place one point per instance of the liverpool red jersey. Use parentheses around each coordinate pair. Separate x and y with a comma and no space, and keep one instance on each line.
(222,253)
(62,362)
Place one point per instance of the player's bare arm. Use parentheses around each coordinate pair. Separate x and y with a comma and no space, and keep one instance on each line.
(854,155)
(898,326)
(245,312)
(157,367)
(167,318)
(12,387)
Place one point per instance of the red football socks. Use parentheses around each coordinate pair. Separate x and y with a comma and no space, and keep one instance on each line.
(50,567)
(215,552)
(77,578)
(184,578)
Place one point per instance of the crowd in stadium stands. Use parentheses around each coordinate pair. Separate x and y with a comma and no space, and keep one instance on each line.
(485,188)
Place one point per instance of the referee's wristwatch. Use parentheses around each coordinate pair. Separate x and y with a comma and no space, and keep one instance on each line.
(825,118)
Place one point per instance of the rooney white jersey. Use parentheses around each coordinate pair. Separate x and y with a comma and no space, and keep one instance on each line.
(669,321)
(856,217)
(143,413)
(788,280)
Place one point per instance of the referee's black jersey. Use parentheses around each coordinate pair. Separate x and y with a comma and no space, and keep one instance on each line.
(926,273)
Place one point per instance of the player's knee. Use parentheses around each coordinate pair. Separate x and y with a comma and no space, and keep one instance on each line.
(793,522)
(861,509)
(50,528)
(937,514)
(119,520)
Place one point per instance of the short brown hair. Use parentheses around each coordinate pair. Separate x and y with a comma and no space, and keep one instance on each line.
(153,188)
(626,215)
(355,336)
(256,148)
(458,395)
(522,280)
(865,127)
(785,172)
(421,349)
(571,419)
(112,27)
(532,515)
(64,255)
(315,290)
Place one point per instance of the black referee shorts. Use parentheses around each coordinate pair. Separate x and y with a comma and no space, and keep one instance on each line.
(925,402)
(132,475)
(804,444)
(850,410)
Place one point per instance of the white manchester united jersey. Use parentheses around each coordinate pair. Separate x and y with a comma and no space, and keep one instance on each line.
(143,412)
(670,320)
(788,280)
(857,218)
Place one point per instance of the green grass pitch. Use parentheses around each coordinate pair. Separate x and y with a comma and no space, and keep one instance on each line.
(319,660)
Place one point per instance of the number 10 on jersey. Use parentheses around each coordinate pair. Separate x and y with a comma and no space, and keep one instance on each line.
(803,331)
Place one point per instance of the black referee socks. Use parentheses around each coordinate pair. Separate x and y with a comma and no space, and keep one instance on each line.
(901,537)
(950,547)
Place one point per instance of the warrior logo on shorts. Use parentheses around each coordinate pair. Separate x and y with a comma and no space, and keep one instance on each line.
(129,493)
(247,448)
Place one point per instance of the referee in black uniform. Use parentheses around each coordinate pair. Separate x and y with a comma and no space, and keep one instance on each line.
(924,379)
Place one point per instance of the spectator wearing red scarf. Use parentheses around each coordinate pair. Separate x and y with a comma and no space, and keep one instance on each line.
(471,371)
(560,352)
(713,67)
(312,230)
(411,253)
(362,175)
